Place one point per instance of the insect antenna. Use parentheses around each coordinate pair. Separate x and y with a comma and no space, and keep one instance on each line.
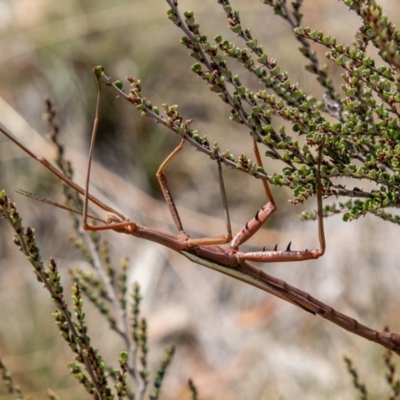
(55,204)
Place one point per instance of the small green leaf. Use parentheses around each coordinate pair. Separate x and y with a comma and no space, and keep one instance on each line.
(119,85)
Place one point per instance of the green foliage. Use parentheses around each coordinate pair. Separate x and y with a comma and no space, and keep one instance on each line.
(8,381)
(358,125)
(356,380)
(89,367)
(390,377)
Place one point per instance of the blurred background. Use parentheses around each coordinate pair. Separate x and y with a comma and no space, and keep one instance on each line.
(234,341)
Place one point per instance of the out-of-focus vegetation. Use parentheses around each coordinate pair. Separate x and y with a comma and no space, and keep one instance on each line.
(233,341)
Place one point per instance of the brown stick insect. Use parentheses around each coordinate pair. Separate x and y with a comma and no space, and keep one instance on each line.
(221,253)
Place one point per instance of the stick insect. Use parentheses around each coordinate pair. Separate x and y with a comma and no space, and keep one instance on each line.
(215,252)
